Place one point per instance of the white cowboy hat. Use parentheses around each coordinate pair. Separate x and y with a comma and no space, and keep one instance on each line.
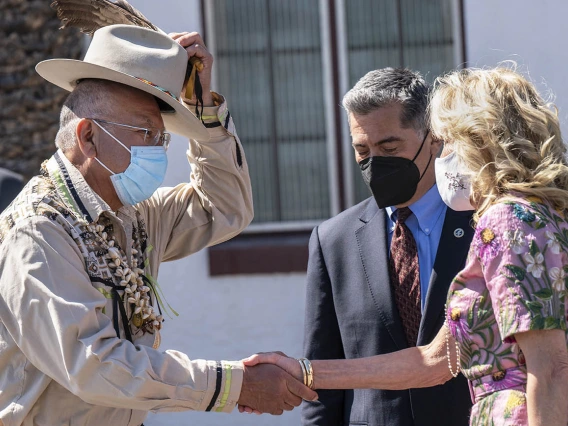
(138,57)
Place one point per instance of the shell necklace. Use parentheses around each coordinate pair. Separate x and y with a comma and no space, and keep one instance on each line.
(131,279)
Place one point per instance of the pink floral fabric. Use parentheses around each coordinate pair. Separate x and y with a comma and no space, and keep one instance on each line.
(515,280)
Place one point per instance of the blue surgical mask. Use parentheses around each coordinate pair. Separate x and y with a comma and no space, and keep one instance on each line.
(143,176)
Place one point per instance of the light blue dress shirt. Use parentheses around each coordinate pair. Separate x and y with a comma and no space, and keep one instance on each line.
(426,226)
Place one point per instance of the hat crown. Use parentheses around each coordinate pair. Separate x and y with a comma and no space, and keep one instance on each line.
(141,53)
(144,59)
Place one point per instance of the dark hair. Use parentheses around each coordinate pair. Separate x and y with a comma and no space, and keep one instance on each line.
(386,86)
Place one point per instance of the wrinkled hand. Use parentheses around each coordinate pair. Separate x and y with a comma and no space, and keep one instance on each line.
(194,46)
(269,389)
(290,365)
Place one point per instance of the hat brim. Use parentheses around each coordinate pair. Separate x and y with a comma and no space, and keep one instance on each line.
(65,73)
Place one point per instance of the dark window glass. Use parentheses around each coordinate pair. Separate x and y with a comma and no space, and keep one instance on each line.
(269,59)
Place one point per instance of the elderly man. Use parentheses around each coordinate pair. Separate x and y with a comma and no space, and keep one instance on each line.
(80,248)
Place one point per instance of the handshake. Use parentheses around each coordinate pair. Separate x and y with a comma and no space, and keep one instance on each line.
(274,382)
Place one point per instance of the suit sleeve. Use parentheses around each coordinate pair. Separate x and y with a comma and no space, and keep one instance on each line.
(322,338)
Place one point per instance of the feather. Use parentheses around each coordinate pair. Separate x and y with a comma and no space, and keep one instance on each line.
(90,15)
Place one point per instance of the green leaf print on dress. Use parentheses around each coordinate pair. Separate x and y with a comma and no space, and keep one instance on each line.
(515,280)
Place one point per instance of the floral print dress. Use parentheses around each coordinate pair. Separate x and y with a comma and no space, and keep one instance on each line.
(515,280)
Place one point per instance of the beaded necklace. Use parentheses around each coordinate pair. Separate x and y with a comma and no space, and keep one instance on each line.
(132,278)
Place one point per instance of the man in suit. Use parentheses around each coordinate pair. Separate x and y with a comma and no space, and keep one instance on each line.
(10,185)
(374,287)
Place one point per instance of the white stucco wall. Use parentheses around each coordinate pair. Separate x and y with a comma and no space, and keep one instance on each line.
(221,318)
(532,33)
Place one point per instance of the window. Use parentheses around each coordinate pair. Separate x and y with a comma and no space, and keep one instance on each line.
(418,34)
(269,64)
(284,67)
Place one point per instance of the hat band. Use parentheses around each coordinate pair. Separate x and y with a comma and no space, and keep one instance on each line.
(167,92)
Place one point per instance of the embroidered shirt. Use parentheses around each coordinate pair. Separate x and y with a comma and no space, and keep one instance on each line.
(60,356)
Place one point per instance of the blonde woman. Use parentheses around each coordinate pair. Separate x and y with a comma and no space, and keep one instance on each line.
(506,312)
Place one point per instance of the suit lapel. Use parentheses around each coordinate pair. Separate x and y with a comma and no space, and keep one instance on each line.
(456,237)
(372,242)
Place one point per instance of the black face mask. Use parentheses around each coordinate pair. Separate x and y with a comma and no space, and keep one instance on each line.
(392,180)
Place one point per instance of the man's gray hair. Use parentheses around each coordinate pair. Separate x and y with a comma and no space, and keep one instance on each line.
(386,86)
(90,99)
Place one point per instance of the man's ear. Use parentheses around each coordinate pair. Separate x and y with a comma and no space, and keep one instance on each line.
(86,133)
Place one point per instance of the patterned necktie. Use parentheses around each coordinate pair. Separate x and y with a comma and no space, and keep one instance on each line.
(405,276)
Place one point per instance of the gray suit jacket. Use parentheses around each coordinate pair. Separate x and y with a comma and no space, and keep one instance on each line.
(350,313)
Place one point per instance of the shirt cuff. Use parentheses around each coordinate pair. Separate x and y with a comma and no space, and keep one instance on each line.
(217,119)
(224,382)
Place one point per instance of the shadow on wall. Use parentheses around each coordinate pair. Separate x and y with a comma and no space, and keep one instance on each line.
(10,185)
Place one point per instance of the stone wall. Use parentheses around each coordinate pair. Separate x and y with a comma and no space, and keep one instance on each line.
(29,106)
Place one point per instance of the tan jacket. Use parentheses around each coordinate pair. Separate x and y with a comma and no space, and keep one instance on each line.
(61,361)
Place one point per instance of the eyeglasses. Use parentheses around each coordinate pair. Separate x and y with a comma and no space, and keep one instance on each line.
(152,137)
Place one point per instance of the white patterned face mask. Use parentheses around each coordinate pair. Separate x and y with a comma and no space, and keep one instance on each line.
(453,182)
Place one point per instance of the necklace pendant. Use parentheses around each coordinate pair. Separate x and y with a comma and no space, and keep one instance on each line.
(137,320)
(157,339)
(130,276)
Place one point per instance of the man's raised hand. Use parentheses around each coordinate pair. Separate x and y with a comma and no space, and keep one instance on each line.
(194,46)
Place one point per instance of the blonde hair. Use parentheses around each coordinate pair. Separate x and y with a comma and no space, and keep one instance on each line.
(504,133)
